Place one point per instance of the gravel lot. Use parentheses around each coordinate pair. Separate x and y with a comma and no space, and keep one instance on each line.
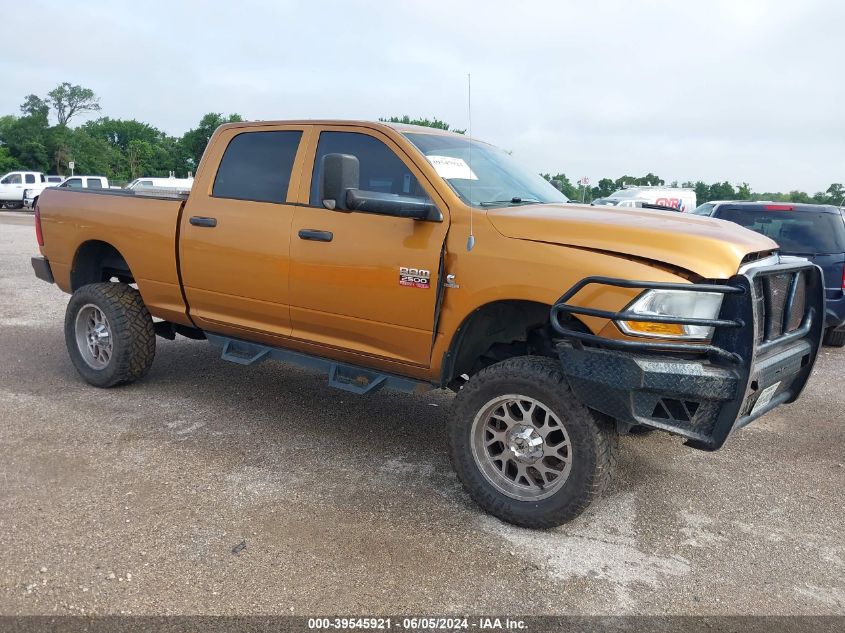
(132,500)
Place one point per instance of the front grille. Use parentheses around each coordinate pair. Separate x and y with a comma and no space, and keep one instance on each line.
(772,299)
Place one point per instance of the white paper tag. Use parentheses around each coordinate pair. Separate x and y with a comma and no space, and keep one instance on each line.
(765,397)
(448,167)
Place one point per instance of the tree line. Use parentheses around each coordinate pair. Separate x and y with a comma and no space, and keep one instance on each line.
(119,149)
(834,194)
(123,150)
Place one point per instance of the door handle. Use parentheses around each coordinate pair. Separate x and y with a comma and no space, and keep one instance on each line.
(201,221)
(316,236)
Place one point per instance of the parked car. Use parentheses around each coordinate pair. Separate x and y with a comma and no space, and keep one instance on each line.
(15,183)
(412,258)
(73,182)
(184,184)
(678,198)
(814,231)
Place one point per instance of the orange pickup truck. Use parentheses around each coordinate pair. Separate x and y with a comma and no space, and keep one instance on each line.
(412,258)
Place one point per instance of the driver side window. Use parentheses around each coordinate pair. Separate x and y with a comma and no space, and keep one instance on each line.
(380,169)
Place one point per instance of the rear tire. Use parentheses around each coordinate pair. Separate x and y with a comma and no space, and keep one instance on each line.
(834,338)
(109,334)
(524,448)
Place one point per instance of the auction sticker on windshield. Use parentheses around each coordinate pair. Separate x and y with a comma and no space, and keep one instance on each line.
(448,167)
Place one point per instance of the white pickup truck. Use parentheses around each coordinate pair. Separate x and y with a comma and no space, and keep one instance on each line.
(15,183)
(30,196)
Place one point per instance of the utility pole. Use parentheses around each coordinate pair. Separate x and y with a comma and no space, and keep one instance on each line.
(584,182)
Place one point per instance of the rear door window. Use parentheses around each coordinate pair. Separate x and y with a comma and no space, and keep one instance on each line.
(797,232)
(95,183)
(30,179)
(257,166)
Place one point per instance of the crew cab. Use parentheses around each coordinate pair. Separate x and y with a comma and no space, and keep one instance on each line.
(411,258)
(14,184)
(813,231)
(30,198)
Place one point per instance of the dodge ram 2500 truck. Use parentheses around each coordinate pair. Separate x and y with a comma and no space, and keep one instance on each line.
(412,258)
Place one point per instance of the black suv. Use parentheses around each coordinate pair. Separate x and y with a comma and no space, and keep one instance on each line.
(814,231)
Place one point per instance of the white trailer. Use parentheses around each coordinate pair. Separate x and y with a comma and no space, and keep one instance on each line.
(679,198)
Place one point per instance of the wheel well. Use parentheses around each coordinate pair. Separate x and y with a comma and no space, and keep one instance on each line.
(494,332)
(97,261)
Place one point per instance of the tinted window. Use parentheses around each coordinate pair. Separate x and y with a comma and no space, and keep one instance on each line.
(72,183)
(54,178)
(30,179)
(380,169)
(797,232)
(257,166)
(43,179)
(95,183)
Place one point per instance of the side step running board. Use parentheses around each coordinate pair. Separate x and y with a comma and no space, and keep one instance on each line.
(341,375)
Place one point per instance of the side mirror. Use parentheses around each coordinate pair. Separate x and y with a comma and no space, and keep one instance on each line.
(339,192)
(340,174)
(392,204)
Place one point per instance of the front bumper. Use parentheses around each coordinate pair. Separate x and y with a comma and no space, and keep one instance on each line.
(748,369)
(42,269)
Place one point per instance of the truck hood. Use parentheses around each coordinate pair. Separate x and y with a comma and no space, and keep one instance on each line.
(708,247)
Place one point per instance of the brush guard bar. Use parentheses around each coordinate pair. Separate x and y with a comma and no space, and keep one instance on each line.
(764,345)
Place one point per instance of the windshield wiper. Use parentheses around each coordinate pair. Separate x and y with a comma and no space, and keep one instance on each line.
(514,200)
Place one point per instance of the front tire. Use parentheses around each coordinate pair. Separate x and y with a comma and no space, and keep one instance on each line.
(109,334)
(834,338)
(523,446)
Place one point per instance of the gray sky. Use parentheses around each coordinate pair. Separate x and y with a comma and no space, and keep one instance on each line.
(732,90)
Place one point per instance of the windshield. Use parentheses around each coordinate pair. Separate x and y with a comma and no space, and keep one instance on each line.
(494,178)
(797,232)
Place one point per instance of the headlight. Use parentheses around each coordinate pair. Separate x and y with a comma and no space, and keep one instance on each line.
(674,303)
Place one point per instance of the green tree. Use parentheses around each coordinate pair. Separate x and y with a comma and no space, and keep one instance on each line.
(93,155)
(69,100)
(139,155)
(702,191)
(835,194)
(722,191)
(743,192)
(35,106)
(433,122)
(567,188)
(194,141)
(603,189)
(7,161)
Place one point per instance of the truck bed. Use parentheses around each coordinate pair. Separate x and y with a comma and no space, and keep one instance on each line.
(142,226)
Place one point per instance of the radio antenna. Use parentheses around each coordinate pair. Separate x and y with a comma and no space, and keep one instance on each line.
(471,238)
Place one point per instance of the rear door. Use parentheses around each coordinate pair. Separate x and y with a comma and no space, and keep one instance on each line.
(363,282)
(235,232)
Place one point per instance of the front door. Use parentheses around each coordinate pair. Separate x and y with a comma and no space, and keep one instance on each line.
(235,233)
(363,282)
